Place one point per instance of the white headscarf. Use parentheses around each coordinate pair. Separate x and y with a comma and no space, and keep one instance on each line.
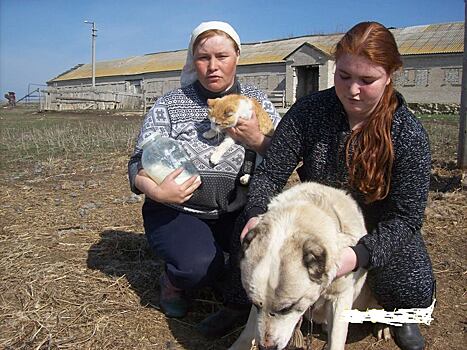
(189,75)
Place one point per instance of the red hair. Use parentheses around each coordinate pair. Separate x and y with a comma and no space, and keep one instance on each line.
(369,150)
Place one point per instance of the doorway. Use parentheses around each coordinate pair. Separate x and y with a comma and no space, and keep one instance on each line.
(307,80)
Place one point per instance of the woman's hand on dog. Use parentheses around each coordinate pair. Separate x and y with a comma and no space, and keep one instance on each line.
(249,225)
(347,262)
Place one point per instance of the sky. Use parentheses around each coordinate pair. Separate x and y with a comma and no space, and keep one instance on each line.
(40,39)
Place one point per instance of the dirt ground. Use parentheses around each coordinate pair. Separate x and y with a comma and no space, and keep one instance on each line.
(76,272)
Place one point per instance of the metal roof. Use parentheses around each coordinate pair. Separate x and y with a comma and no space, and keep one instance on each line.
(432,38)
(416,40)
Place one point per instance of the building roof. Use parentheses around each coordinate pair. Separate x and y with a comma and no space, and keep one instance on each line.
(416,40)
(429,39)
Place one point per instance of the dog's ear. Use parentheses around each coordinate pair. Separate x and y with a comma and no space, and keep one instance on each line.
(314,259)
(249,237)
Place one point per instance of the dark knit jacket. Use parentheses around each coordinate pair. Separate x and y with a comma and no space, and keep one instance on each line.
(182,115)
(314,131)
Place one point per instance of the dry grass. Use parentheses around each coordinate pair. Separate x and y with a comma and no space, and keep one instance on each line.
(40,136)
(75,269)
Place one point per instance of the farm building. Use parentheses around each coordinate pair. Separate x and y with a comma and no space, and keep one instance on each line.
(287,69)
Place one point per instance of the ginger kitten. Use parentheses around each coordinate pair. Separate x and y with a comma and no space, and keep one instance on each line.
(224,113)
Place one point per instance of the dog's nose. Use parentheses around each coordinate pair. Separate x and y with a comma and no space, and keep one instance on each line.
(267,347)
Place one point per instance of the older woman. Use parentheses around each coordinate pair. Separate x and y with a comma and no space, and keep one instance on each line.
(190,225)
(360,136)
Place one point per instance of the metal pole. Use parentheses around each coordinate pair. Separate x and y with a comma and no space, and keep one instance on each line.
(93,38)
(462,146)
(93,54)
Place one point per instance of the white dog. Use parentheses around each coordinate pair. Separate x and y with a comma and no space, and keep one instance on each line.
(290,264)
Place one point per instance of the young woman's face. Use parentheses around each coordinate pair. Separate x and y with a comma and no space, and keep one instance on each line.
(359,85)
(216,63)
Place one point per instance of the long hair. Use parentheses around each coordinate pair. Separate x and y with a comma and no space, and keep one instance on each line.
(369,150)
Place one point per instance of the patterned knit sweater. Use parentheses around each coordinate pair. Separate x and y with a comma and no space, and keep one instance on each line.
(315,131)
(182,115)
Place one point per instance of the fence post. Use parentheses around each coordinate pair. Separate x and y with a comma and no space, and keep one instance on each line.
(462,145)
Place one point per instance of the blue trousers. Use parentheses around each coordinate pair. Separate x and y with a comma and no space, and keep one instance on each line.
(192,248)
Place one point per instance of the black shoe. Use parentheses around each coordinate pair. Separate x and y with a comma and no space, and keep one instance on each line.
(223,322)
(172,301)
(408,337)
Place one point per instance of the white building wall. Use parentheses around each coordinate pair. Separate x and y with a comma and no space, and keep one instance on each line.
(423,79)
(430,78)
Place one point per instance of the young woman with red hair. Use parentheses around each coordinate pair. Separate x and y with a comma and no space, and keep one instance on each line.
(360,136)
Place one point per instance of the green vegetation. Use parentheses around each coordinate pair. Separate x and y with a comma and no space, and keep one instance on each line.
(28,135)
(453,118)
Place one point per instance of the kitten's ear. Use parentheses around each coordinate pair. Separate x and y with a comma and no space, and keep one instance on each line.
(212,101)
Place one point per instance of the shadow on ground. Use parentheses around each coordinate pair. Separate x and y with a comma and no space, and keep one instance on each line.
(127,254)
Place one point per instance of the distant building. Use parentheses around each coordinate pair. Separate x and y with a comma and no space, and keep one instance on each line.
(287,69)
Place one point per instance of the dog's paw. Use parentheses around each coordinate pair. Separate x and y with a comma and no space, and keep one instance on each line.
(382,331)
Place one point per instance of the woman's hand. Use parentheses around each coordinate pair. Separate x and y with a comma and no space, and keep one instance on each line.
(249,225)
(168,191)
(347,262)
(248,133)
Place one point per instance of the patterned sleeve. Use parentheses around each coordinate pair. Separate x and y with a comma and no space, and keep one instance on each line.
(280,160)
(406,201)
(262,98)
(269,107)
(156,121)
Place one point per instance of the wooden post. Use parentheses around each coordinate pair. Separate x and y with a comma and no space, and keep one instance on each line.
(462,145)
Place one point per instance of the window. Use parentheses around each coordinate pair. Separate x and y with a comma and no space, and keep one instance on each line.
(452,76)
(412,77)
(421,77)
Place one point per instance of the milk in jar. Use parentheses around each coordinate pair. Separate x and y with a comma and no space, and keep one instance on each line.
(162,155)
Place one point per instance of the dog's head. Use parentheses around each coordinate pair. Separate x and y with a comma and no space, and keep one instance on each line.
(286,265)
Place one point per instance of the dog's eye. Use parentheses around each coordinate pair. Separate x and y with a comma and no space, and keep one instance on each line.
(285,310)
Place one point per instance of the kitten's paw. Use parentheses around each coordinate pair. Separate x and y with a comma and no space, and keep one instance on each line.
(245,179)
(215,158)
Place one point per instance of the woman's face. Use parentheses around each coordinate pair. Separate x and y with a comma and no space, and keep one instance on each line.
(359,85)
(216,63)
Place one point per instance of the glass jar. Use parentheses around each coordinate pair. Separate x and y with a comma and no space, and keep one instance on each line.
(162,155)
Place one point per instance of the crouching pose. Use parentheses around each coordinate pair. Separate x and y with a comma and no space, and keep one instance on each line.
(361,137)
(190,225)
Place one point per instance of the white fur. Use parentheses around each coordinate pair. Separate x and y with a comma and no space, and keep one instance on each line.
(221,149)
(244,110)
(308,218)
